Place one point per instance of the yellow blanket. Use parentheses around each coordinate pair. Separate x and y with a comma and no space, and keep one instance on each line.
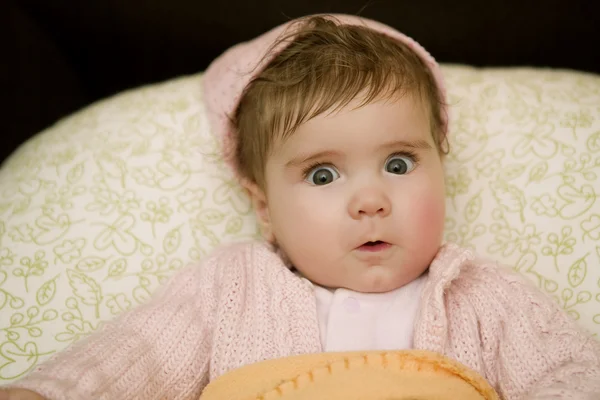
(397,375)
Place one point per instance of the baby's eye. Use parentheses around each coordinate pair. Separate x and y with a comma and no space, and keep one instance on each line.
(399,164)
(322,175)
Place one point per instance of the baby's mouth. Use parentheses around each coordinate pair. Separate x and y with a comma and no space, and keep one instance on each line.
(377,245)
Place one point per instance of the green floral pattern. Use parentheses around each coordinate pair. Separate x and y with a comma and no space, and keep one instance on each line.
(103,207)
(522,177)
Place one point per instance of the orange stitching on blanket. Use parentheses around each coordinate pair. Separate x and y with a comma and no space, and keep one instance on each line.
(424,363)
(384,360)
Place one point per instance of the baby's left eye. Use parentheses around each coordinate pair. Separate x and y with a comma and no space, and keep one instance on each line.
(399,164)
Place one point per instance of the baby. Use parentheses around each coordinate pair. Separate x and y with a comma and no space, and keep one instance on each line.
(337,128)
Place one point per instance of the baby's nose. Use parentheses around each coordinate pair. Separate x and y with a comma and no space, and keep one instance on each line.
(370,202)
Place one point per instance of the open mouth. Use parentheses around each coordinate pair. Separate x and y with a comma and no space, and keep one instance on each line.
(377,245)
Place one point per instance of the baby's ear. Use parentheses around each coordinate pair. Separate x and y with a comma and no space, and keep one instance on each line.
(261,209)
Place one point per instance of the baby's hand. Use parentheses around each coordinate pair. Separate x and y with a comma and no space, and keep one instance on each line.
(19,394)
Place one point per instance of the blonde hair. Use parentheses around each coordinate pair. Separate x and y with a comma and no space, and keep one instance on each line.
(323,67)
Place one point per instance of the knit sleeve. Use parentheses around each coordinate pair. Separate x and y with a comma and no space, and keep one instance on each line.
(156,351)
(532,349)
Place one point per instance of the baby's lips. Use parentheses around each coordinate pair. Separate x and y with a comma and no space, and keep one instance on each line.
(373,243)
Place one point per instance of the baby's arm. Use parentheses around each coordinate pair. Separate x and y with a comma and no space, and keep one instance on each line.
(158,350)
(574,355)
(539,351)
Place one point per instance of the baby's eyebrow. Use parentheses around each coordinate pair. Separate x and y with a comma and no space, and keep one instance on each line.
(303,159)
(413,144)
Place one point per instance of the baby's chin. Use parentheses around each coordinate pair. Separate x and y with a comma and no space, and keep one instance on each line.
(376,286)
(372,283)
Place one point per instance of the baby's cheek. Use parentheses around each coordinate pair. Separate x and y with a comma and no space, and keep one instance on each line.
(430,218)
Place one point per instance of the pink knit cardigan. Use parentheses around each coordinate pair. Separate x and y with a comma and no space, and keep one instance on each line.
(242,305)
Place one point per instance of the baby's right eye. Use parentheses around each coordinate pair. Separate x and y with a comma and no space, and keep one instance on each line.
(321,175)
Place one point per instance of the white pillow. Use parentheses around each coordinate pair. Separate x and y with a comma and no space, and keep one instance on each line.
(522,177)
(101,208)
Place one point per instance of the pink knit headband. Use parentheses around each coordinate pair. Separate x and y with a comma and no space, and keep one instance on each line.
(227,76)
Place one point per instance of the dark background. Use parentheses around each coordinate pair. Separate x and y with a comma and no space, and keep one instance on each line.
(60,55)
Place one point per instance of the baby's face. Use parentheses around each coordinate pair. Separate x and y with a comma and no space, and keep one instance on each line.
(355,199)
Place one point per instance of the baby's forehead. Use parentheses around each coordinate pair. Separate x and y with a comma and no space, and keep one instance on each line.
(367,125)
(337,111)
(391,106)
